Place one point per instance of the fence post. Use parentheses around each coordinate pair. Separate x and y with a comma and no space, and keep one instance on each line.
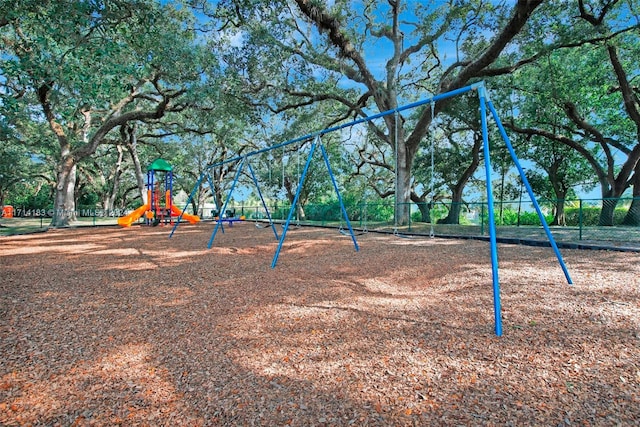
(519,205)
(579,219)
(482,218)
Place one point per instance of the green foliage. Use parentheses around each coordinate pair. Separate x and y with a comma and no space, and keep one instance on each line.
(357,211)
(379,212)
(591,216)
(89,199)
(532,218)
(439,211)
(323,212)
(569,103)
(510,217)
(31,200)
(86,69)
(416,217)
(266,75)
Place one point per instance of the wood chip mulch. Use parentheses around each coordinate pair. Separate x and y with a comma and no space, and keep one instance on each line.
(111,326)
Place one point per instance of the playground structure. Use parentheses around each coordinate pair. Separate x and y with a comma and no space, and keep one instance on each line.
(159,208)
(7,211)
(486,107)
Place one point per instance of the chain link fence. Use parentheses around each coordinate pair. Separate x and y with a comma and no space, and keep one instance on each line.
(584,221)
(613,222)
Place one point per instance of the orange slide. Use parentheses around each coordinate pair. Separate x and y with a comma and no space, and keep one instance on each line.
(191,218)
(127,220)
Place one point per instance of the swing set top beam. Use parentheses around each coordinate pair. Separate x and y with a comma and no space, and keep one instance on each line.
(311,136)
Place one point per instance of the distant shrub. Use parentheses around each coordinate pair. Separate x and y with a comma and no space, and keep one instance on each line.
(377,212)
(416,216)
(531,218)
(319,212)
(591,215)
(31,202)
(510,217)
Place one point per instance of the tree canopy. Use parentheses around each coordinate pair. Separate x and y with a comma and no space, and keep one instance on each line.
(92,91)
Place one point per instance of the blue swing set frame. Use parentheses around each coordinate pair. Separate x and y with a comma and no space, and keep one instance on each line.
(485,104)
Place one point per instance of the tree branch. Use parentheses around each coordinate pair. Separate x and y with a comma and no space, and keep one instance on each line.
(591,18)
(326,23)
(628,95)
(492,72)
(521,13)
(137,115)
(43,97)
(602,176)
(591,131)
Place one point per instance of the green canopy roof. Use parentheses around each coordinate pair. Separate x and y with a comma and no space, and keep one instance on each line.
(160,165)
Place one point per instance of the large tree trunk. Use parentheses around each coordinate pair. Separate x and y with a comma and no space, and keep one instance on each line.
(217,188)
(423,206)
(606,213)
(132,145)
(194,206)
(116,180)
(453,217)
(64,205)
(611,197)
(632,217)
(559,190)
(404,163)
(425,212)
(291,187)
(560,217)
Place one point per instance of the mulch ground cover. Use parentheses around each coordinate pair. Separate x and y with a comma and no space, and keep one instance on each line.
(111,326)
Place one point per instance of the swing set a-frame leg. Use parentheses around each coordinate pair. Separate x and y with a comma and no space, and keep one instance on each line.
(294,205)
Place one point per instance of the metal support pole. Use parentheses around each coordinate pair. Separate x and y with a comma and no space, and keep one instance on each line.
(215,202)
(226,202)
(295,203)
(335,186)
(255,181)
(195,188)
(525,181)
(492,222)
